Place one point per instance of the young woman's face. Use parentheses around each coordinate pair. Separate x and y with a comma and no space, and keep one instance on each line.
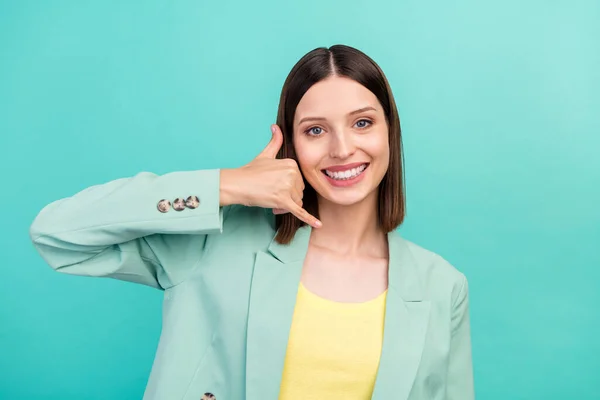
(342,152)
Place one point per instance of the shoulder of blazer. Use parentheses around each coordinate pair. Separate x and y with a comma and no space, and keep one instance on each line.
(438,276)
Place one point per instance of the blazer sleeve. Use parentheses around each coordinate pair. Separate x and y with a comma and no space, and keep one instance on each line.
(460,370)
(116,229)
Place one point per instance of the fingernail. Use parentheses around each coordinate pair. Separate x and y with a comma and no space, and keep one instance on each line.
(318,224)
(273,129)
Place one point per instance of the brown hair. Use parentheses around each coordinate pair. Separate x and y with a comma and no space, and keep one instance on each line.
(345,61)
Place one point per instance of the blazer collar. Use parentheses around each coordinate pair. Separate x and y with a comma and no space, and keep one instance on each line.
(275,280)
(295,250)
(402,272)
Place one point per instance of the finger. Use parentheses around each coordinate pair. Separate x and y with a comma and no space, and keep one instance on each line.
(303,215)
(295,198)
(272,148)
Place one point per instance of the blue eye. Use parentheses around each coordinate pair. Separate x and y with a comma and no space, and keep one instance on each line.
(317,131)
(311,131)
(364,120)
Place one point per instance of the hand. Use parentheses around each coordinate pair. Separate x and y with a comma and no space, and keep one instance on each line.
(269,182)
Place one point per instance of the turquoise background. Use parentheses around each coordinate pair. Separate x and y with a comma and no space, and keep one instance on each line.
(499,105)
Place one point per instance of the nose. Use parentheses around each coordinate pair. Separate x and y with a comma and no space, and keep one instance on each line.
(342,145)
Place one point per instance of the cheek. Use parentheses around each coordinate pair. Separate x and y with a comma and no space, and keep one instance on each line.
(377,146)
(308,156)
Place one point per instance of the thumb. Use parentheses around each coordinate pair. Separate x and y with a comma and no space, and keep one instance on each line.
(274,145)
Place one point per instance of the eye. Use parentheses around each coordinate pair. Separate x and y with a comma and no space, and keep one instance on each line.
(364,123)
(314,131)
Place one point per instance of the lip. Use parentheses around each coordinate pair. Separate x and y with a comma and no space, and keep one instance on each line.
(337,168)
(346,182)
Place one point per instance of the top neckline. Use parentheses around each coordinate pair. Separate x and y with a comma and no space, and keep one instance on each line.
(316,299)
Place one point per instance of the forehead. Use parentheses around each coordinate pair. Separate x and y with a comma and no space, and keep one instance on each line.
(333,97)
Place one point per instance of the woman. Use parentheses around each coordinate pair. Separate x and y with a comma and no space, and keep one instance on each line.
(323,300)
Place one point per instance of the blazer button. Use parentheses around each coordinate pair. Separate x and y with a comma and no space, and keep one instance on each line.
(178,204)
(208,396)
(192,202)
(163,205)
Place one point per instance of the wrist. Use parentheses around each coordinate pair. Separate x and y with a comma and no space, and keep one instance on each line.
(229,188)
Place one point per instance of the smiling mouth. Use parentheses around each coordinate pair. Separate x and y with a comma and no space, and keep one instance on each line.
(348,174)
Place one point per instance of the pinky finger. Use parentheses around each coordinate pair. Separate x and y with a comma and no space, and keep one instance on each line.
(303,215)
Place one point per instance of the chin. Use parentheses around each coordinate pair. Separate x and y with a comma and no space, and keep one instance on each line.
(344,199)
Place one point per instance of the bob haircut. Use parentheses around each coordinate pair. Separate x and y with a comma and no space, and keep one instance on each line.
(342,61)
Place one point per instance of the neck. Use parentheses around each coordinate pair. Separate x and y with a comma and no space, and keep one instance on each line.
(350,230)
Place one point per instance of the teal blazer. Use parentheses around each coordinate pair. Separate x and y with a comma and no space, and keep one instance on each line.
(230,290)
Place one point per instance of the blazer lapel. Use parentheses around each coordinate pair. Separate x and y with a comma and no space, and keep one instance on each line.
(275,281)
(277,274)
(405,326)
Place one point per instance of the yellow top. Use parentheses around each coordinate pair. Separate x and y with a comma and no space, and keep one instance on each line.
(334,348)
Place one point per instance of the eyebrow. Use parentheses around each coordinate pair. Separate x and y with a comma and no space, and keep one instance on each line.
(360,110)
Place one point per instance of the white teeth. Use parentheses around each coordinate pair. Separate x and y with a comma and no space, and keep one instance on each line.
(348,174)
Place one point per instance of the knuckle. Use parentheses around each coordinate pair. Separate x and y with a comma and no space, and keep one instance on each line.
(292,166)
(280,200)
